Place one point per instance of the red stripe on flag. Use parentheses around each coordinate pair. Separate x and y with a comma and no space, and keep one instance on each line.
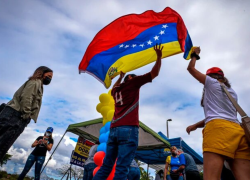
(128,27)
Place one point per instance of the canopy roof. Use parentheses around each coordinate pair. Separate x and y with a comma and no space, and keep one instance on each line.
(148,139)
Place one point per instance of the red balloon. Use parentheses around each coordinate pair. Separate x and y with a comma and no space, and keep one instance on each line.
(96,169)
(112,174)
(98,158)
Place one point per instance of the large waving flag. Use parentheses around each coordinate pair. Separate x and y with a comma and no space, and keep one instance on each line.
(127,43)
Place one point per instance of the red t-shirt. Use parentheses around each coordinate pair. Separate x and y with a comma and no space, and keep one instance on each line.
(126,97)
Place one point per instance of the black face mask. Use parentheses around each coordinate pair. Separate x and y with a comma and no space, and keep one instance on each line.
(46,80)
(173,154)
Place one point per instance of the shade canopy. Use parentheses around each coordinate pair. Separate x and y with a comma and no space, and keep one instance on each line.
(148,139)
(153,147)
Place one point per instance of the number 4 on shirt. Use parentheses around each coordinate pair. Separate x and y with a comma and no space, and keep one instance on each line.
(119,99)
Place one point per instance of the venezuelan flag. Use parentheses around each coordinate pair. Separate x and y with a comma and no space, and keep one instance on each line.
(127,43)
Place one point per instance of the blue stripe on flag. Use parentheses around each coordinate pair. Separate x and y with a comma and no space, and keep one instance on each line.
(148,38)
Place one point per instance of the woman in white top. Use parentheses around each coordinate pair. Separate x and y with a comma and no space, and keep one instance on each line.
(223,137)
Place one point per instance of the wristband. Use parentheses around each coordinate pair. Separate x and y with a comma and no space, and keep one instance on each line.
(195,55)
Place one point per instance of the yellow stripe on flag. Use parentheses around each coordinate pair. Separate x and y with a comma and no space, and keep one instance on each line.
(139,59)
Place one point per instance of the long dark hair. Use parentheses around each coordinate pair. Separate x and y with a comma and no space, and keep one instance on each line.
(218,77)
(39,72)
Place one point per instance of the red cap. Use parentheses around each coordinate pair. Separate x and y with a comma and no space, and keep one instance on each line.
(215,70)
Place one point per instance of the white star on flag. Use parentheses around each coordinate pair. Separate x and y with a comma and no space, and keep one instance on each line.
(156,38)
(164,26)
(149,42)
(126,46)
(142,45)
(162,32)
(121,46)
(133,45)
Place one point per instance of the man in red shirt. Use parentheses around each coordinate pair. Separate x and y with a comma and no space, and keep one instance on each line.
(123,137)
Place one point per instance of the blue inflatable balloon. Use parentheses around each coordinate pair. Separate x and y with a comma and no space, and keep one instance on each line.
(103,138)
(102,147)
(107,136)
(107,126)
(103,130)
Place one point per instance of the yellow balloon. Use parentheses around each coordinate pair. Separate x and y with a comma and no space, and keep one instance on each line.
(104,98)
(98,107)
(104,121)
(111,101)
(112,104)
(110,92)
(105,110)
(110,97)
(110,115)
(112,107)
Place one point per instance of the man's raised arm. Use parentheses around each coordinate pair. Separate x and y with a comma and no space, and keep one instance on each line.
(156,69)
(118,82)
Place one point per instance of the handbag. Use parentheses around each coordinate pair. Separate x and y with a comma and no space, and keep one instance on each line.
(244,118)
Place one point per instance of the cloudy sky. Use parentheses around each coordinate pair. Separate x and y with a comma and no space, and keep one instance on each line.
(57,33)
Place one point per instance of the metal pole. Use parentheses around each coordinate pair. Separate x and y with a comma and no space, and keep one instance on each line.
(53,152)
(64,174)
(67,176)
(70,172)
(147,171)
(167,130)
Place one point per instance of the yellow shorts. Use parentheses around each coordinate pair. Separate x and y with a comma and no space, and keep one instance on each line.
(225,138)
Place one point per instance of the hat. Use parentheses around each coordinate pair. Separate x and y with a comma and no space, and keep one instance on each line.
(215,70)
(49,129)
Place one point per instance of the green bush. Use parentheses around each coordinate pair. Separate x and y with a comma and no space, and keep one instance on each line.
(3,174)
(201,175)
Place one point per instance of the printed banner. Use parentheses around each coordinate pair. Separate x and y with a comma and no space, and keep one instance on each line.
(81,153)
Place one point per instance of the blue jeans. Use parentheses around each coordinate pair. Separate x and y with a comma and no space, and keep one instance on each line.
(88,171)
(29,163)
(134,173)
(122,144)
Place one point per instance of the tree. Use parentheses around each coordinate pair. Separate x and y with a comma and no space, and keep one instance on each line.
(145,176)
(5,159)
(45,177)
(76,172)
(143,173)
(5,175)
(201,175)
